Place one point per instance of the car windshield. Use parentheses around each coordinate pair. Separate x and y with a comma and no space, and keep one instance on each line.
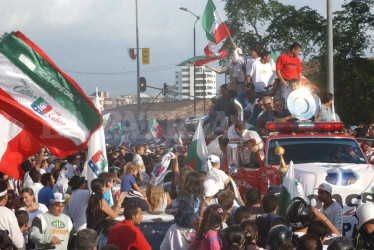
(309,150)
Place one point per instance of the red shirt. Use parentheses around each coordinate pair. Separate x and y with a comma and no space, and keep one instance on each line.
(126,236)
(289,66)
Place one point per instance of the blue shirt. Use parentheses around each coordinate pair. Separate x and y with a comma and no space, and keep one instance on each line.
(107,198)
(127,182)
(44,196)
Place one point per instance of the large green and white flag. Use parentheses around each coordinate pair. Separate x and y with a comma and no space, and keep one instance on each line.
(198,150)
(290,189)
(96,155)
(43,99)
(214,27)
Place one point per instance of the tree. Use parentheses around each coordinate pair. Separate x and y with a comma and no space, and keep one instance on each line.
(272,25)
(353,73)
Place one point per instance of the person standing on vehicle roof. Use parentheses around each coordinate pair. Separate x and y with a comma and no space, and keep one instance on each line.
(289,67)
(261,72)
(244,134)
(330,208)
(254,56)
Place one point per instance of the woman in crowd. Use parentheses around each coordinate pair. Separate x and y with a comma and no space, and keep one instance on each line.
(158,198)
(32,208)
(189,200)
(98,211)
(30,205)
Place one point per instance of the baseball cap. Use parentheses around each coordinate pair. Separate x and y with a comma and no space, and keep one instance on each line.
(325,187)
(58,197)
(210,187)
(214,159)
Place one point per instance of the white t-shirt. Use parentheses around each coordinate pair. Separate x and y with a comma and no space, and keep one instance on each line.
(334,213)
(36,188)
(174,239)
(247,135)
(67,172)
(27,181)
(8,221)
(250,61)
(218,176)
(261,74)
(42,209)
(139,160)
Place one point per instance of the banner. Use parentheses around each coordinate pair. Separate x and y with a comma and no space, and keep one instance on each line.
(46,101)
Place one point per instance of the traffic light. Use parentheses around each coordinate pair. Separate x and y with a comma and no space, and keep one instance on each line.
(165,90)
(142,84)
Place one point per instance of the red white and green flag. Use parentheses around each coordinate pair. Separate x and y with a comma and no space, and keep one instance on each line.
(131,53)
(43,99)
(197,151)
(290,189)
(97,159)
(155,129)
(107,122)
(16,144)
(201,60)
(214,27)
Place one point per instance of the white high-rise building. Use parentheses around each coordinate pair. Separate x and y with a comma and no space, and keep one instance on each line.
(205,83)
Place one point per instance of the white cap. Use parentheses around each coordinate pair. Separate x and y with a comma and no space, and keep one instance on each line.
(364,213)
(58,197)
(214,159)
(210,187)
(325,187)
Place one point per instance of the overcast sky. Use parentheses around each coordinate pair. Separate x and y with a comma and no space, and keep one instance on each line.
(86,37)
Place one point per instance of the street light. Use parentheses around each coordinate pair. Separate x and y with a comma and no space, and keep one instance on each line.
(194,54)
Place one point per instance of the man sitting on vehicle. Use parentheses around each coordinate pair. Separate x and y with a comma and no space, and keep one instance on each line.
(244,134)
(280,113)
(267,103)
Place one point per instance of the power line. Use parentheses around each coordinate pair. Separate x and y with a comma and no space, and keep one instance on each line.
(130,72)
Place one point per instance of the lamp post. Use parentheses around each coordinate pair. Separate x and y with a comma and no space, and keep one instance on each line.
(194,54)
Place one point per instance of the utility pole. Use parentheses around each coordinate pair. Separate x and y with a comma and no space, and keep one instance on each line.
(137,60)
(194,54)
(330,49)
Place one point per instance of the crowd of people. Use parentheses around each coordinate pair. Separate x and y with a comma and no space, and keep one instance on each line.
(56,209)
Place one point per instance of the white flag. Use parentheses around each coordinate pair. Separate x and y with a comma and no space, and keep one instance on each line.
(97,160)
